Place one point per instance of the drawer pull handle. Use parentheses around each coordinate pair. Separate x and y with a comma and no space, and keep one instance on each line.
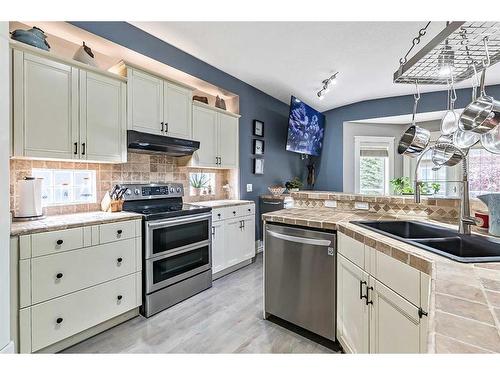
(119,260)
(59,275)
(119,298)
(59,242)
(119,231)
(59,320)
(368,302)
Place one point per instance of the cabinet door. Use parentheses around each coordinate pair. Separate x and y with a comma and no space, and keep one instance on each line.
(352,310)
(45,107)
(145,106)
(233,241)
(218,247)
(248,238)
(205,131)
(228,140)
(394,322)
(102,118)
(177,111)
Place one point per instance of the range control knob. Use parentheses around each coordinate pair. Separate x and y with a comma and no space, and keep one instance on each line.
(179,189)
(172,190)
(128,192)
(137,191)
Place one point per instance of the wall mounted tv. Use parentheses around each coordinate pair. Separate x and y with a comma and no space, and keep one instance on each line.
(306,128)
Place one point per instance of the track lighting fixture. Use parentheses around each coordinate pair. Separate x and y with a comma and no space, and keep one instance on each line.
(332,80)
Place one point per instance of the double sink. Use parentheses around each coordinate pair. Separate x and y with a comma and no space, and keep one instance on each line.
(439,240)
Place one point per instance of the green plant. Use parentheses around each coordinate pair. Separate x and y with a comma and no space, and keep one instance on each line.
(199,180)
(436,187)
(402,185)
(295,183)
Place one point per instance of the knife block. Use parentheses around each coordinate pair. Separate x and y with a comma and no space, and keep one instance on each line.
(116,206)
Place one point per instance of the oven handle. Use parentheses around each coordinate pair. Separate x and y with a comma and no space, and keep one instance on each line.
(302,240)
(171,253)
(176,221)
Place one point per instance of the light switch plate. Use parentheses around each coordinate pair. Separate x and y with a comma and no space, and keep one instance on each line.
(331,204)
(362,206)
(249,188)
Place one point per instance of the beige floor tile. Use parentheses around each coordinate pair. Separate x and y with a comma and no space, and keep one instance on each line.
(491,284)
(458,289)
(493,298)
(461,307)
(447,345)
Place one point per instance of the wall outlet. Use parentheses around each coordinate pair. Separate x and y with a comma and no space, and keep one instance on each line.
(331,204)
(362,206)
(249,188)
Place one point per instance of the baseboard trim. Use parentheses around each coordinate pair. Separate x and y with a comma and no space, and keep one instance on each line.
(231,269)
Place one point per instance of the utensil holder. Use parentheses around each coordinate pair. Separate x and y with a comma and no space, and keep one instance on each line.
(116,206)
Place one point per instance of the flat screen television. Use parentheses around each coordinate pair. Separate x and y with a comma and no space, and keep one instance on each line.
(306,128)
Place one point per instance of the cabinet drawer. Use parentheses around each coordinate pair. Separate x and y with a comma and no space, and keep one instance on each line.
(79,311)
(245,210)
(56,241)
(218,214)
(352,249)
(59,274)
(116,231)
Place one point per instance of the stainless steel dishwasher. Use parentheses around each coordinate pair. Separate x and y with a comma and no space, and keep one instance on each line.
(300,277)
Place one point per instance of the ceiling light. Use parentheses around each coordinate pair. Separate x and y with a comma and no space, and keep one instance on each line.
(330,81)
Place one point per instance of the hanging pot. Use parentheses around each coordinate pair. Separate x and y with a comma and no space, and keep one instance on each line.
(444,154)
(491,140)
(414,141)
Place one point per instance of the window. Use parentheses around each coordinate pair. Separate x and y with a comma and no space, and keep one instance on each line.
(66,186)
(201,183)
(484,172)
(374,163)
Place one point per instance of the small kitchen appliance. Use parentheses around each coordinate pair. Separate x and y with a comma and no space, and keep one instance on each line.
(176,244)
(30,199)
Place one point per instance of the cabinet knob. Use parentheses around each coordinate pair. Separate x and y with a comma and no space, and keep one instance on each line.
(218,215)
(59,320)
(234,212)
(59,242)
(59,275)
(249,210)
(119,260)
(119,298)
(119,231)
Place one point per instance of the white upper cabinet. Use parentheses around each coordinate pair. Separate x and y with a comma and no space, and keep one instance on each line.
(228,141)
(157,106)
(177,111)
(145,102)
(62,111)
(102,118)
(45,96)
(218,134)
(205,131)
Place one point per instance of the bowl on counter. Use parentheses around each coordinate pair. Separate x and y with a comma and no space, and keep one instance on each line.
(276,190)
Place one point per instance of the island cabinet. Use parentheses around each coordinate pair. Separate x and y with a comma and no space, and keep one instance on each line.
(233,238)
(382,303)
(66,111)
(68,285)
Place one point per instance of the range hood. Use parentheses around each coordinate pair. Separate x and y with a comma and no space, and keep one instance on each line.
(159,143)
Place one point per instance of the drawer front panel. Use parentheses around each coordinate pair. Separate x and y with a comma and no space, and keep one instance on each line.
(218,214)
(232,212)
(59,274)
(116,231)
(351,249)
(79,311)
(246,210)
(56,241)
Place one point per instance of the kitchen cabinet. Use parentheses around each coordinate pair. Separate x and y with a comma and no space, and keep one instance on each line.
(218,133)
(71,284)
(382,302)
(352,310)
(158,106)
(65,111)
(233,238)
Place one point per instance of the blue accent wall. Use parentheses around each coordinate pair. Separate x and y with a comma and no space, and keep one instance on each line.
(280,165)
(330,169)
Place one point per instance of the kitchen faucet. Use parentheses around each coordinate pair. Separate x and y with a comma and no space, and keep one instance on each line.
(465,221)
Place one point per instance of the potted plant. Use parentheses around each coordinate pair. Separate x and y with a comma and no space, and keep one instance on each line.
(294,185)
(198,182)
(402,186)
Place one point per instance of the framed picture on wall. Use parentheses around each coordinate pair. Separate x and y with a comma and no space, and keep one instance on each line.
(258,166)
(258,147)
(258,128)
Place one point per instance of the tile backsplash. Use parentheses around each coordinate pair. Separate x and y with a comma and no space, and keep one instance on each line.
(140,168)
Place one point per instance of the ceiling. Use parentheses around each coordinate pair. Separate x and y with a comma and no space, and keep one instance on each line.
(285,58)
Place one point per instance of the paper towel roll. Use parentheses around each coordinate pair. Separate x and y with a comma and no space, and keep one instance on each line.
(30,197)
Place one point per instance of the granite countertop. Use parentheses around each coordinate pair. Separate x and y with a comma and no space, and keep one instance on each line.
(464,313)
(222,203)
(58,222)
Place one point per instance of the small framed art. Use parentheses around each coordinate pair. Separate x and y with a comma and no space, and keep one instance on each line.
(258,147)
(258,166)
(258,128)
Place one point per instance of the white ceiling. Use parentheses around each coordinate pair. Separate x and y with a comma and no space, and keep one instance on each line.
(285,58)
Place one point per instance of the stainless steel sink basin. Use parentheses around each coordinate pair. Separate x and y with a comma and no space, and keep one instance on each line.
(439,240)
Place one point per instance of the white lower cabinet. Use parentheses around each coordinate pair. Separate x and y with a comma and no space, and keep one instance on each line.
(375,317)
(63,292)
(233,239)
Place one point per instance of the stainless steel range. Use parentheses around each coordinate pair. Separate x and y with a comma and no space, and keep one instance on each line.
(177,244)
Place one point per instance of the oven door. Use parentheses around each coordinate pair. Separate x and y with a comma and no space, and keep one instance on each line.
(175,234)
(175,266)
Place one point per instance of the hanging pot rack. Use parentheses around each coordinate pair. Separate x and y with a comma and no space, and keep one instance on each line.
(460,44)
